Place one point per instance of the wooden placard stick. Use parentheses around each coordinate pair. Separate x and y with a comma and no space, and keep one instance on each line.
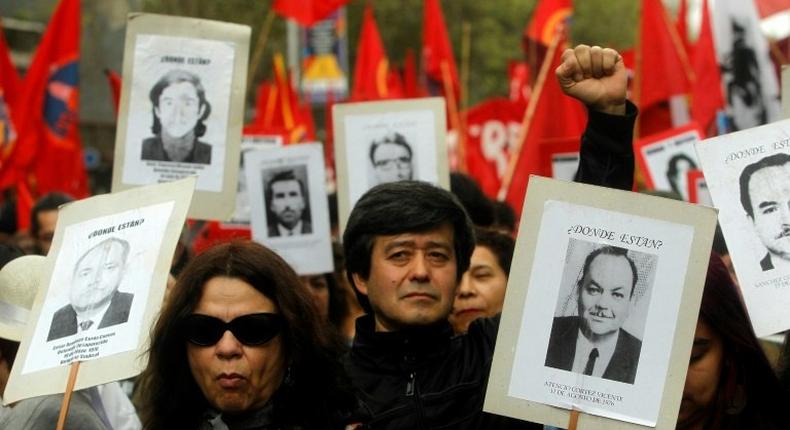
(64,406)
(260,46)
(573,421)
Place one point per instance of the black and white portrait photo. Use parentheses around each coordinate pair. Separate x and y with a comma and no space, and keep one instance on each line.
(287,202)
(594,341)
(392,159)
(387,141)
(667,157)
(180,109)
(593,317)
(748,176)
(289,210)
(94,299)
(765,197)
(178,113)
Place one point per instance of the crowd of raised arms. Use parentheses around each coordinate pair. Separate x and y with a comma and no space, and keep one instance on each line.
(402,334)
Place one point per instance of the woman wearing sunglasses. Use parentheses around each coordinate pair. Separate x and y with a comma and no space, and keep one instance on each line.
(239,344)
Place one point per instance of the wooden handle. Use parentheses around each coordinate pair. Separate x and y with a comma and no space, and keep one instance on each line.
(64,407)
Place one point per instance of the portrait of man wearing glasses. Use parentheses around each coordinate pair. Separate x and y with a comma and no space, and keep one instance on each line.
(391,158)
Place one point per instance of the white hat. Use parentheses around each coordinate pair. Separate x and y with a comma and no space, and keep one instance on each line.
(19,282)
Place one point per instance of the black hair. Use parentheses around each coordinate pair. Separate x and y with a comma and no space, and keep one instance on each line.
(672,171)
(48,202)
(504,216)
(500,244)
(779,159)
(477,205)
(615,251)
(400,207)
(174,77)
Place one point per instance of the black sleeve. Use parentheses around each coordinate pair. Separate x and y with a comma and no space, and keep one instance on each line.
(606,157)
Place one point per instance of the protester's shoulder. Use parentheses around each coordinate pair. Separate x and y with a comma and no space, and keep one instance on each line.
(483,330)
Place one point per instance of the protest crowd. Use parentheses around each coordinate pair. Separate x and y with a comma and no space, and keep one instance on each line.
(401,331)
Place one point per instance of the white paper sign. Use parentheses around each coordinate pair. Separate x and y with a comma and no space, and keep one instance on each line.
(181,91)
(289,208)
(115,251)
(748,174)
(564,165)
(630,385)
(669,159)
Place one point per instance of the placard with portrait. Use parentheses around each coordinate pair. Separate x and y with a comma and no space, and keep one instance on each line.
(748,175)
(103,284)
(592,319)
(288,205)
(378,142)
(666,157)
(182,106)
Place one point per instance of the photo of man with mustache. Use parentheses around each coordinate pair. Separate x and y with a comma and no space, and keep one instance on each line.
(765,196)
(594,342)
(287,205)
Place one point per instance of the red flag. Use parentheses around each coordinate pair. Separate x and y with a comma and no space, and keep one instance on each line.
(371,69)
(556,117)
(520,90)
(411,85)
(114,80)
(436,48)
(279,111)
(662,70)
(48,151)
(706,95)
(547,15)
(491,132)
(24,206)
(9,87)
(307,12)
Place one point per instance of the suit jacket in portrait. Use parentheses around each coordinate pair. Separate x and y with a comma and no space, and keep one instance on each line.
(154,149)
(766,264)
(64,322)
(307,228)
(562,350)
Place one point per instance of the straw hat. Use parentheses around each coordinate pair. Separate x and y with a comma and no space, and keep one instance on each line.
(19,282)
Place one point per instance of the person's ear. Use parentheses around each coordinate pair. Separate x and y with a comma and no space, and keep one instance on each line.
(360,283)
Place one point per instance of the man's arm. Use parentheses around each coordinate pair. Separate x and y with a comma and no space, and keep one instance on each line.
(597,77)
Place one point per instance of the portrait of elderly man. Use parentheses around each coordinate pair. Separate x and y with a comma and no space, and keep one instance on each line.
(287,205)
(180,109)
(765,196)
(594,342)
(94,299)
(391,158)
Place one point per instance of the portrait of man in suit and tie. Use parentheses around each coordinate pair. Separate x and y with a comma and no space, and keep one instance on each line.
(94,299)
(287,203)
(765,197)
(594,342)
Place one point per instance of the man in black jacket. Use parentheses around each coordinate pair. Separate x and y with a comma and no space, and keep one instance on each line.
(408,243)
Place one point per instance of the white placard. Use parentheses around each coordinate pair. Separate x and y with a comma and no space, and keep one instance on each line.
(748,174)
(289,207)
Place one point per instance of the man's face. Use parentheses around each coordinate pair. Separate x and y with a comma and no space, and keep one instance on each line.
(287,202)
(97,276)
(604,299)
(179,109)
(412,279)
(46,229)
(392,163)
(769,190)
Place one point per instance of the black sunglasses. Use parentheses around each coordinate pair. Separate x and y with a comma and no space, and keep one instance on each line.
(252,329)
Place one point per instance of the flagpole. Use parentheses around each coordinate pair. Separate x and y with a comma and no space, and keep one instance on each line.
(637,93)
(455,121)
(529,113)
(260,45)
(466,43)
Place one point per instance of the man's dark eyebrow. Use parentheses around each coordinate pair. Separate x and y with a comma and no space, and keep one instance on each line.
(768,203)
(702,341)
